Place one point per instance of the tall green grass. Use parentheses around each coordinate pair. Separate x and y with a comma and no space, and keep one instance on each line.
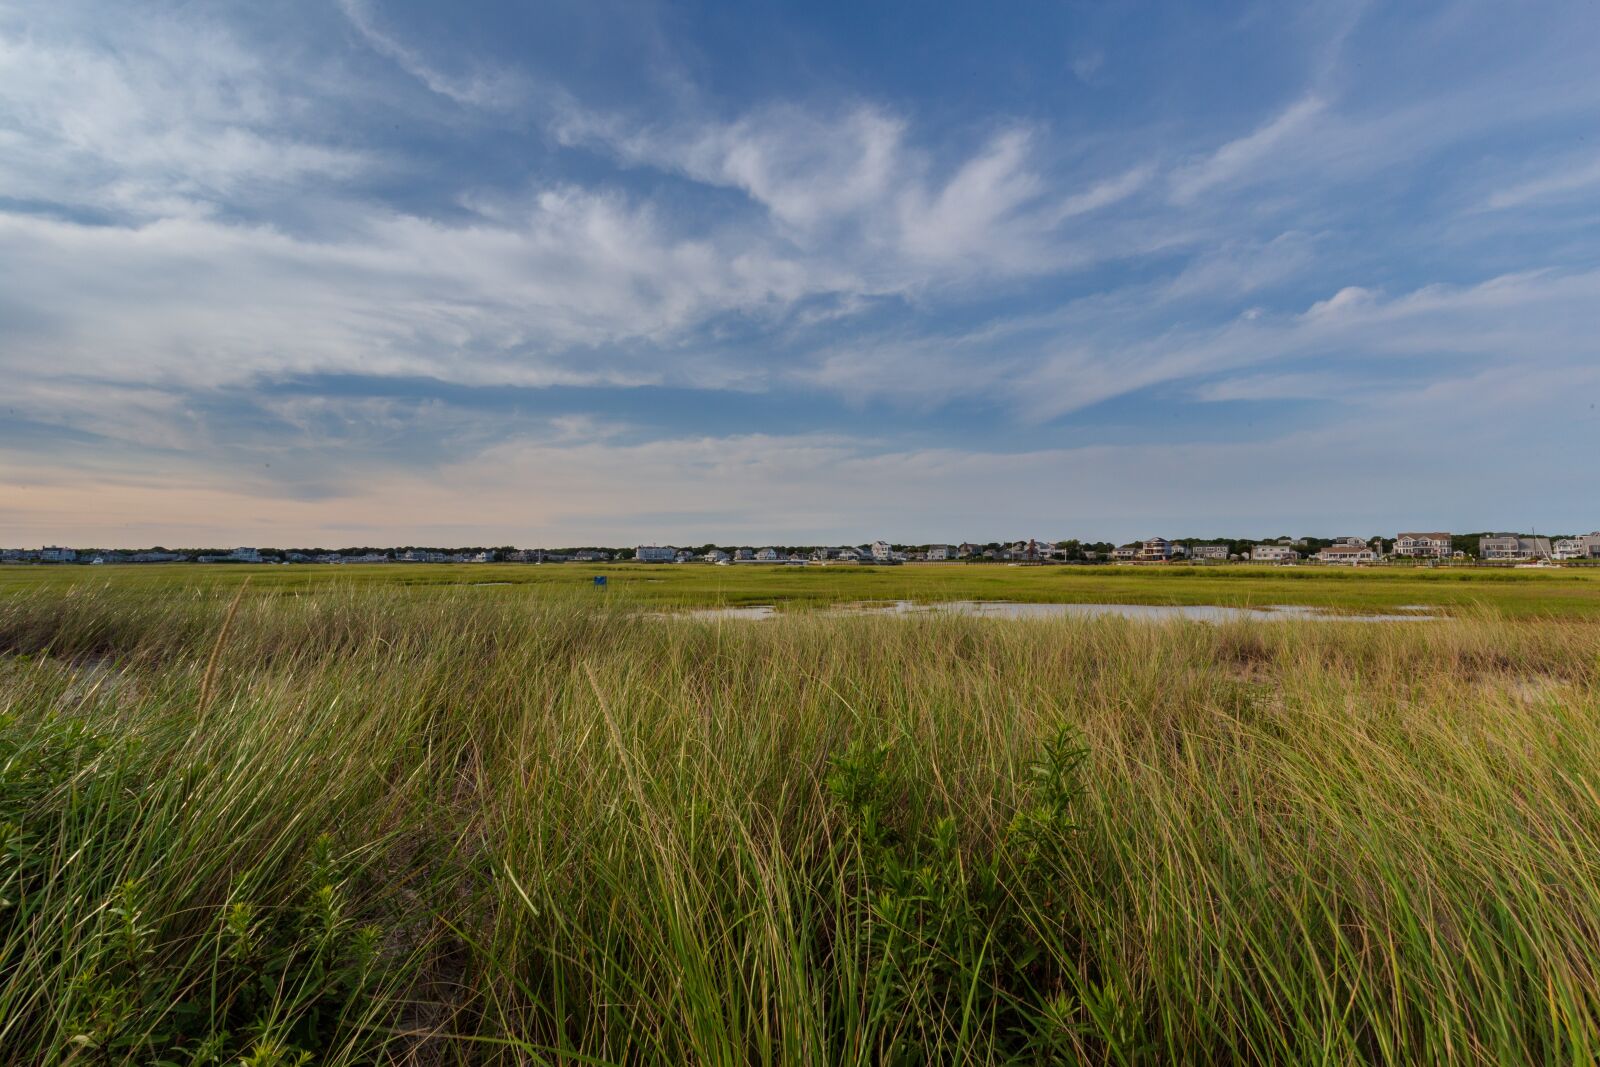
(461,829)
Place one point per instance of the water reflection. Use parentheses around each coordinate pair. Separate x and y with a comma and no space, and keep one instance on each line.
(1002,609)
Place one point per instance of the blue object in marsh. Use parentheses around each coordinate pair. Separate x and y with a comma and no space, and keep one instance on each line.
(600,580)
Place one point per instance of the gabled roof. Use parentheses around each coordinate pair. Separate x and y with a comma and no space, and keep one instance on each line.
(1431,536)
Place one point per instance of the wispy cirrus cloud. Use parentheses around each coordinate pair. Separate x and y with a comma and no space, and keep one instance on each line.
(854,183)
(1577,179)
(476,86)
(1049,366)
(177,119)
(528,300)
(1239,158)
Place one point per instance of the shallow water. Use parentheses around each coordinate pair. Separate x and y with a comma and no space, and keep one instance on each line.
(1003,609)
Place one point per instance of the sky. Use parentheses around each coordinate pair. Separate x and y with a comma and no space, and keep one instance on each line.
(346,272)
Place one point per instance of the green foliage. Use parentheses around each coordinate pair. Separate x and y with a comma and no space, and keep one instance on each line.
(277,986)
(978,949)
(139,980)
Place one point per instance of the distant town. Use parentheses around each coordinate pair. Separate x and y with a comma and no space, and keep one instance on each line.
(1503,549)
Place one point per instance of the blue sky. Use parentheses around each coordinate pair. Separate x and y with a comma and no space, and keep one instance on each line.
(369,271)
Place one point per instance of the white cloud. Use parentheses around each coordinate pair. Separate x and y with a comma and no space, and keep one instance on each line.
(1346,300)
(1576,178)
(133,415)
(176,120)
(1239,267)
(202,302)
(974,213)
(805,168)
(850,185)
(1048,366)
(1303,386)
(1086,67)
(479,87)
(1519,324)
(1102,194)
(1238,160)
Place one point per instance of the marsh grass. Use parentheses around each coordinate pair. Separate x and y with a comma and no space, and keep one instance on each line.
(538,829)
(1568,592)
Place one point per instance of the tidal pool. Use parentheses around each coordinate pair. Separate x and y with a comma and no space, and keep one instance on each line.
(1005,609)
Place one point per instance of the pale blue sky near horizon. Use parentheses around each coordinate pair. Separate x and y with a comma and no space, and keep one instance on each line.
(384,272)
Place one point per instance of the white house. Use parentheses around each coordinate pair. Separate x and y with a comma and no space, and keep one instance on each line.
(768,555)
(57,554)
(1347,553)
(1584,546)
(1422,545)
(744,555)
(655,554)
(1512,546)
(881,552)
(967,548)
(940,553)
(1273,554)
(1125,552)
(716,555)
(1208,552)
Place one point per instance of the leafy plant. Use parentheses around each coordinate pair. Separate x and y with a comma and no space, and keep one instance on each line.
(960,939)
